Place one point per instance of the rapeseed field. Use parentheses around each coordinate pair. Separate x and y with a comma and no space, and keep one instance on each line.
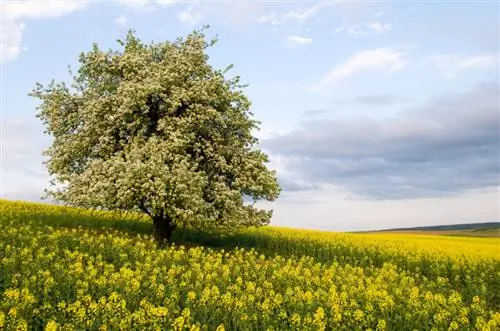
(71,269)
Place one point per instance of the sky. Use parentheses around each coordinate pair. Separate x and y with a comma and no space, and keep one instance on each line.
(374,114)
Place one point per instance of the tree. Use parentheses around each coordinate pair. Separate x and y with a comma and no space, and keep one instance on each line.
(154,128)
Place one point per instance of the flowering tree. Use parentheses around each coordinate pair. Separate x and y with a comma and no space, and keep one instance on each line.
(154,128)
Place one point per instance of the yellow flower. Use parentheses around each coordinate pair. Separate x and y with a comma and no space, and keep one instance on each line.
(295,319)
(12,312)
(381,325)
(179,323)
(453,326)
(51,326)
(191,295)
(358,315)
(11,294)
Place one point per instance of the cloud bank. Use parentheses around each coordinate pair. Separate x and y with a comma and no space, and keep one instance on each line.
(449,146)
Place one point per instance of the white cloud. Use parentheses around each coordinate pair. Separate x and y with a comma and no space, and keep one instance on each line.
(16,14)
(189,17)
(148,3)
(10,40)
(366,29)
(297,15)
(302,15)
(136,4)
(297,41)
(121,21)
(378,27)
(450,65)
(270,18)
(146,6)
(383,60)
(166,3)
(372,26)
(45,9)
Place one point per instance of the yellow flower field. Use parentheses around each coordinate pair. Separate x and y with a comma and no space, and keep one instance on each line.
(65,269)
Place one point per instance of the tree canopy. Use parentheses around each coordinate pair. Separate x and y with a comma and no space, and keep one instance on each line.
(154,128)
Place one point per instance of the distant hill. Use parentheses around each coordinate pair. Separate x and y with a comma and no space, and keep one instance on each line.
(451,227)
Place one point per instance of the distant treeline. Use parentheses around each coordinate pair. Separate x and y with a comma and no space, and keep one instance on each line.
(469,226)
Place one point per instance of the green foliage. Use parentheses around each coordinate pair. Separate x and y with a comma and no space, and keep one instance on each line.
(154,128)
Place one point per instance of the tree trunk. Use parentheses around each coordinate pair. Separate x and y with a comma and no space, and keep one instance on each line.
(163,228)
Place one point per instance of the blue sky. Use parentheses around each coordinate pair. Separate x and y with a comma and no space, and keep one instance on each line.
(374,114)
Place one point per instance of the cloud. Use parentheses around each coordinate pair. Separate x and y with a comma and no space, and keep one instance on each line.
(297,41)
(46,9)
(303,15)
(24,175)
(17,13)
(378,27)
(294,185)
(138,4)
(366,29)
(372,26)
(121,21)
(146,6)
(270,18)
(288,182)
(451,65)
(167,3)
(449,146)
(189,17)
(382,60)
(11,39)
(377,100)
(135,4)
(313,113)
(297,15)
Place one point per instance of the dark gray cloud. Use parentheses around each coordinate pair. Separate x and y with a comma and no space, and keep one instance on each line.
(448,146)
(291,185)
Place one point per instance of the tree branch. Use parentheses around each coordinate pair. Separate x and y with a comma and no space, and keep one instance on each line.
(144,209)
